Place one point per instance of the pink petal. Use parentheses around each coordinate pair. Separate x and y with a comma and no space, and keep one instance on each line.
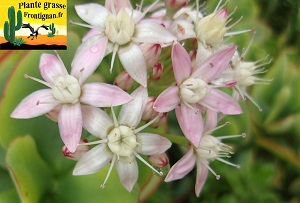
(94,160)
(103,95)
(88,56)
(182,64)
(35,104)
(118,4)
(167,100)
(128,173)
(96,121)
(51,67)
(215,64)
(150,32)
(70,125)
(182,167)
(92,13)
(152,144)
(131,112)
(90,33)
(222,102)
(132,58)
(211,120)
(191,123)
(202,172)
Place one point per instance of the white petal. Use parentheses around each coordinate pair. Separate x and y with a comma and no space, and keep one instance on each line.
(128,173)
(96,121)
(152,144)
(92,13)
(93,161)
(152,33)
(132,58)
(131,112)
(183,29)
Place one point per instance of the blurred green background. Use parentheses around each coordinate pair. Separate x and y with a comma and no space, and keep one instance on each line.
(33,169)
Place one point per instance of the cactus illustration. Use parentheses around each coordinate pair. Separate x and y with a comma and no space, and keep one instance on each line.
(53,30)
(10,27)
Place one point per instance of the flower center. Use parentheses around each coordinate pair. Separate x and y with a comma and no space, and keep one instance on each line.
(66,89)
(120,28)
(122,141)
(193,90)
(211,148)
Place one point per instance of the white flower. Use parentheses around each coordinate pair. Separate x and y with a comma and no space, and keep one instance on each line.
(120,141)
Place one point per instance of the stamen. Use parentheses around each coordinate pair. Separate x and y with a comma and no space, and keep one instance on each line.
(95,142)
(249,45)
(253,101)
(241,92)
(145,12)
(114,117)
(217,7)
(147,164)
(39,81)
(234,24)
(208,107)
(116,46)
(212,171)
(243,135)
(229,163)
(141,5)
(216,128)
(84,25)
(109,171)
(232,12)
(146,125)
(229,34)
(196,111)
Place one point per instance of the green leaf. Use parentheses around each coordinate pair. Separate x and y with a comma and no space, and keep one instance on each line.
(78,189)
(10,196)
(28,170)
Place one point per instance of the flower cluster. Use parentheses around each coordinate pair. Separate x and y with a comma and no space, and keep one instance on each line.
(176,58)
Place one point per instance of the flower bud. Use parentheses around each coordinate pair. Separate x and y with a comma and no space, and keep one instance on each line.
(149,112)
(211,29)
(162,119)
(157,71)
(151,53)
(159,160)
(175,4)
(124,81)
(80,151)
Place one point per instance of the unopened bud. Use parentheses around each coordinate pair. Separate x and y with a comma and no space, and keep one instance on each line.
(124,81)
(151,53)
(149,112)
(159,160)
(157,71)
(162,119)
(212,28)
(80,151)
(175,4)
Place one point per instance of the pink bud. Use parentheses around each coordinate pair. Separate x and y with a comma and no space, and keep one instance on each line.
(124,81)
(151,53)
(159,160)
(149,113)
(157,71)
(162,119)
(175,4)
(80,151)
(223,13)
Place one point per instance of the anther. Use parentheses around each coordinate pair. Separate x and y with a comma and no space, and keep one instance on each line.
(244,135)
(218,177)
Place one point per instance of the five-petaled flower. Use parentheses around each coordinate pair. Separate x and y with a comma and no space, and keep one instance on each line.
(119,29)
(193,93)
(68,92)
(120,140)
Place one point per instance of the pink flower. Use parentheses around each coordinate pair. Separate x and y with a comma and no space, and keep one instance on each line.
(120,140)
(210,149)
(67,92)
(123,28)
(193,92)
